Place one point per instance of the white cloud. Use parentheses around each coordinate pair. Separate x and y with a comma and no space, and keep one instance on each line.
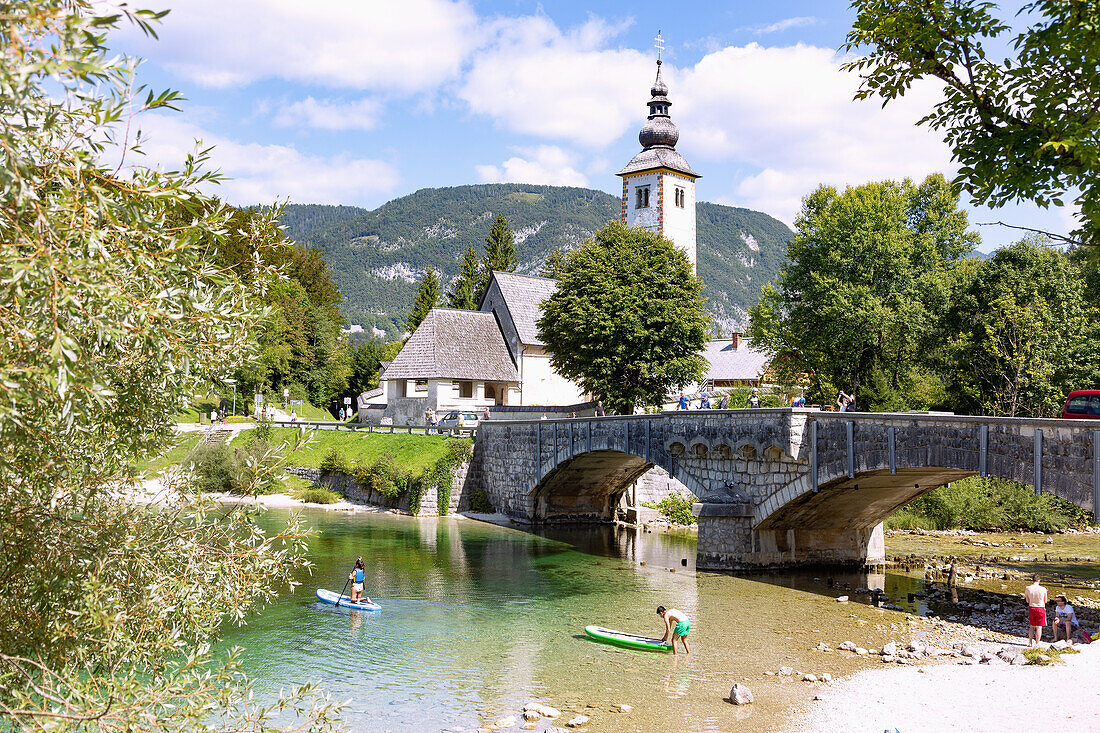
(329,114)
(787,115)
(405,46)
(545,164)
(266,173)
(536,80)
(785,24)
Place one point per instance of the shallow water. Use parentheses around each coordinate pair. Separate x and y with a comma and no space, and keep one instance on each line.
(478,620)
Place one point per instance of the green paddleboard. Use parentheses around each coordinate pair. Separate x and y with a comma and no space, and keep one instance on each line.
(630,641)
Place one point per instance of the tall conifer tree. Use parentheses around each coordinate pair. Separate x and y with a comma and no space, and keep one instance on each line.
(427,296)
(500,249)
(466,289)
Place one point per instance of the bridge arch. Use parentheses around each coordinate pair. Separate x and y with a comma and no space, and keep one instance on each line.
(587,487)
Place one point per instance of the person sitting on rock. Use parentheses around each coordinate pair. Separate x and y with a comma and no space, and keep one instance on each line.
(678,624)
(1064,623)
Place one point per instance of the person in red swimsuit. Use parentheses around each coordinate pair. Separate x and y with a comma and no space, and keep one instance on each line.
(1036,597)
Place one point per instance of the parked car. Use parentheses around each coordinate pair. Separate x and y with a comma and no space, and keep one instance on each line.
(458,420)
(1082,404)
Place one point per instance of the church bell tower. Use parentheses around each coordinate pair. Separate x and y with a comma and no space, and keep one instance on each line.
(658,184)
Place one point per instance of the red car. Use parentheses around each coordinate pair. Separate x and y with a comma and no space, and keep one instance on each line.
(1082,404)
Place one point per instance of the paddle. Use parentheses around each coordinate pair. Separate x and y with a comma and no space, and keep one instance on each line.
(348,581)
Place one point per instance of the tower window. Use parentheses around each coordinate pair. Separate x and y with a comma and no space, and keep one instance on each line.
(681,197)
(642,200)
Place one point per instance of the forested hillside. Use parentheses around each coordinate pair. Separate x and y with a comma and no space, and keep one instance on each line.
(377,256)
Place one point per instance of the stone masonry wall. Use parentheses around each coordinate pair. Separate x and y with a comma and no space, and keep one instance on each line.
(348,487)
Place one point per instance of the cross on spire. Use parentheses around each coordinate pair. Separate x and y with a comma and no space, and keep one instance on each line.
(659,45)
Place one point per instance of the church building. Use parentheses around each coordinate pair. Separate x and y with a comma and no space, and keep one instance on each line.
(491,358)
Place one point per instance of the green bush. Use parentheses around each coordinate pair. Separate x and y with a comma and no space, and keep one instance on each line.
(317,495)
(251,469)
(479,501)
(213,468)
(262,431)
(987,504)
(334,462)
(677,509)
(219,468)
(382,477)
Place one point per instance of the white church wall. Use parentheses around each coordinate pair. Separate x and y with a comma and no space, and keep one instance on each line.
(542,385)
(679,221)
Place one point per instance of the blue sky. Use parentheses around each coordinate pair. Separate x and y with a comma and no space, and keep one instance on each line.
(357,102)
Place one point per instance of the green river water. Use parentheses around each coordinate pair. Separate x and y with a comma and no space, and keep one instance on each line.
(478,620)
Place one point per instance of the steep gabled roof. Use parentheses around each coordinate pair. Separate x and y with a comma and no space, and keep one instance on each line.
(524,294)
(728,363)
(455,344)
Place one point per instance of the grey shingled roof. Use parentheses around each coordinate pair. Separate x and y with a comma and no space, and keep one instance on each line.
(659,157)
(523,295)
(727,362)
(455,344)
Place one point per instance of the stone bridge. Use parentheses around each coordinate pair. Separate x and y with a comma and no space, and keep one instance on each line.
(778,487)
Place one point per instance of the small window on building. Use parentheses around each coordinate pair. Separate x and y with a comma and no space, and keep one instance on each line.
(490,392)
(681,197)
(421,385)
(642,201)
(465,389)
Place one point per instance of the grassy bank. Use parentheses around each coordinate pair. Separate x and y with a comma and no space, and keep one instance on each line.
(414,453)
(174,454)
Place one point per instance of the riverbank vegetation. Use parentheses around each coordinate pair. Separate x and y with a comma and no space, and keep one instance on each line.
(988,504)
(378,471)
(674,508)
(113,310)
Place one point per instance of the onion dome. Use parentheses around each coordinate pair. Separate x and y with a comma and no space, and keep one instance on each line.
(659,129)
(658,137)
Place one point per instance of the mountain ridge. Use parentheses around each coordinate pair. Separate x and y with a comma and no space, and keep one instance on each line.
(376,256)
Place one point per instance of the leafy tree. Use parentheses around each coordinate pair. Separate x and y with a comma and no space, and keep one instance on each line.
(1024,334)
(627,321)
(365,357)
(858,303)
(468,284)
(427,296)
(301,345)
(1024,128)
(555,261)
(110,313)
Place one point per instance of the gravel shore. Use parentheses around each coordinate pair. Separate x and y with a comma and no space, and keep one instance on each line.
(974,698)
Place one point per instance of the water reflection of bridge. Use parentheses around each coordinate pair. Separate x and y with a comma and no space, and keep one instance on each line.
(777,487)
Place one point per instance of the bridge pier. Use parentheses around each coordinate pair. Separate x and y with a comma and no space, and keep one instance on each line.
(728,541)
